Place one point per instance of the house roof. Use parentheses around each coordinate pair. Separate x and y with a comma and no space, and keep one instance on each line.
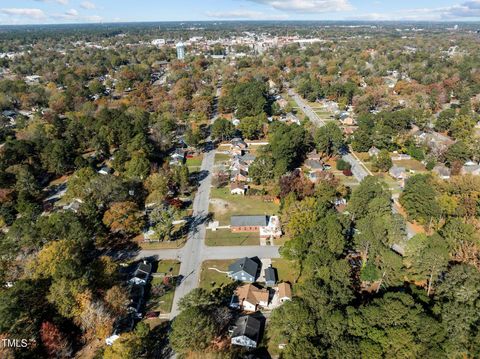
(248,157)
(246,264)
(285,290)
(313,164)
(270,275)
(237,185)
(252,294)
(245,221)
(247,326)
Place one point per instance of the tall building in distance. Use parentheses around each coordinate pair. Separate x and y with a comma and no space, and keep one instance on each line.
(180,50)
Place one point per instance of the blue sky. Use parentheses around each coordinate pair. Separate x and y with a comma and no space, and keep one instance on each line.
(74,11)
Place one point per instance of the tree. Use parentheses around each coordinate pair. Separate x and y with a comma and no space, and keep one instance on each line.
(192,320)
(329,139)
(382,162)
(458,298)
(249,98)
(55,342)
(138,167)
(251,127)
(462,127)
(426,258)
(419,199)
(162,221)
(124,217)
(223,129)
(261,170)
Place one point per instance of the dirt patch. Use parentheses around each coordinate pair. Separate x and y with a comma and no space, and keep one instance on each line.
(221,206)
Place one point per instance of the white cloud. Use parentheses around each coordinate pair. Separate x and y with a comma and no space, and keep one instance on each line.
(468,9)
(88,5)
(243,14)
(62,2)
(71,13)
(307,6)
(26,13)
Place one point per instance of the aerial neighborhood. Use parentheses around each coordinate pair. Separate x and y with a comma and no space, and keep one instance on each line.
(239,189)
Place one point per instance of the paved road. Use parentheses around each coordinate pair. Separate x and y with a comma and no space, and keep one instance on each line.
(195,251)
(359,170)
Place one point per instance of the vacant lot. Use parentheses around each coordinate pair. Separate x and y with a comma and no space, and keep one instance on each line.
(224,205)
(223,237)
(212,278)
(194,163)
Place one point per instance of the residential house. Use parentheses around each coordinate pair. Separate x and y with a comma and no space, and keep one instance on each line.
(373,151)
(73,206)
(238,142)
(237,188)
(348,121)
(239,175)
(401,157)
(284,292)
(246,332)
(399,173)
(250,298)
(471,169)
(248,158)
(244,269)
(442,171)
(270,276)
(314,156)
(178,156)
(238,164)
(273,228)
(314,165)
(248,223)
(136,295)
(142,273)
(105,170)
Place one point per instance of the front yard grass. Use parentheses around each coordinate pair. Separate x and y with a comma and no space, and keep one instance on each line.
(210,278)
(163,304)
(224,205)
(221,158)
(223,237)
(288,271)
(194,162)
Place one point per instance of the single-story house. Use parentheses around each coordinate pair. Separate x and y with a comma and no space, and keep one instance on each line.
(284,292)
(314,155)
(270,276)
(314,165)
(238,142)
(442,171)
(237,188)
(372,152)
(239,176)
(248,158)
(142,273)
(105,170)
(246,332)
(249,297)
(248,223)
(273,228)
(244,269)
(472,169)
(398,172)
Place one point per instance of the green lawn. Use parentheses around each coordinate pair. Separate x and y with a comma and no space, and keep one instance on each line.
(288,271)
(224,205)
(412,165)
(209,278)
(164,303)
(223,237)
(221,158)
(194,162)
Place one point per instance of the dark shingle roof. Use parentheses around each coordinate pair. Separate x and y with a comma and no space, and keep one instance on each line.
(246,264)
(270,275)
(245,221)
(247,326)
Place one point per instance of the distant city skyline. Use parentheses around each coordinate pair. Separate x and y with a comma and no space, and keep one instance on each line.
(84,11)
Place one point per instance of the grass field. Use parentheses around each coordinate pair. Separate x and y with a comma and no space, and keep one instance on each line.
(164,245)
(223,237)
(221,158)
(412,165)
(164,303)
(224,205)
(194,163)
(288,271)
(210,278)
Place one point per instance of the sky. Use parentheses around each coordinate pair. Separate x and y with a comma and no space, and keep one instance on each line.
(83,11)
